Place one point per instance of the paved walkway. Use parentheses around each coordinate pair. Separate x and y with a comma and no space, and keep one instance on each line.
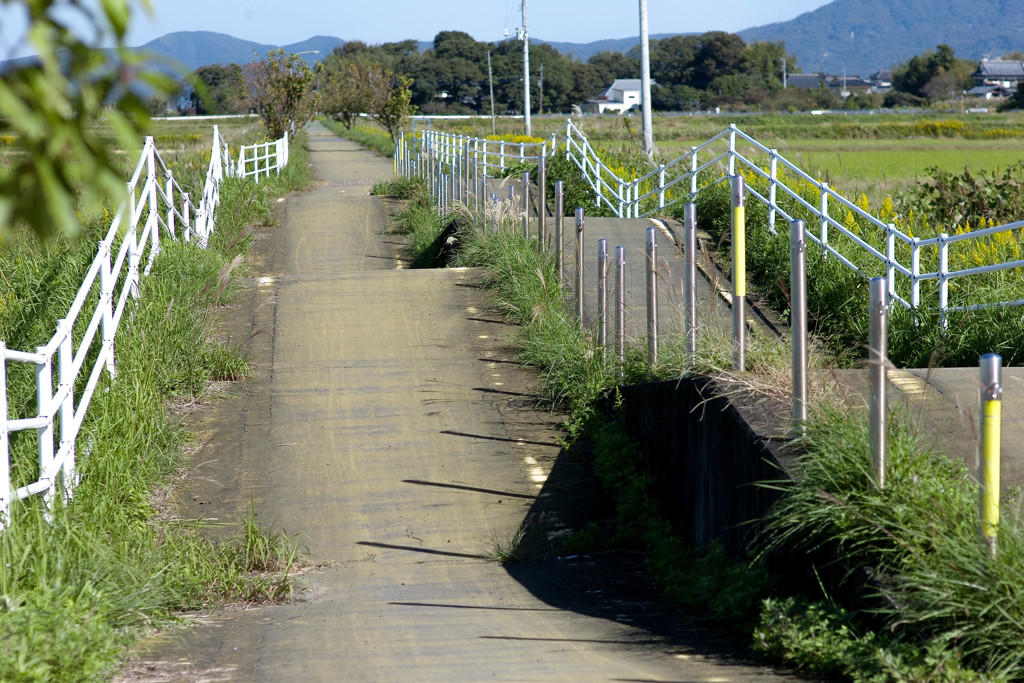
(391,424)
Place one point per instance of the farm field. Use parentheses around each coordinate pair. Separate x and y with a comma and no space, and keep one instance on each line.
(875,154)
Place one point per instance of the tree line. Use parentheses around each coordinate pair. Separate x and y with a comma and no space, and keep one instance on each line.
(691,72)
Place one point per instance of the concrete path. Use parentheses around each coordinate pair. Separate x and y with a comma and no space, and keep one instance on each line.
(392,425)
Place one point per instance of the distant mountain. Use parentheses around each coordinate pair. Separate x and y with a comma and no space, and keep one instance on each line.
(193,49)
(863,36)
(860,36)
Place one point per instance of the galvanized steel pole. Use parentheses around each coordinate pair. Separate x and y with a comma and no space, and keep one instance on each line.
(739,274)
(526,205)
(690,280)
(620,305)
(542,200)
(798,319)
(645,83)
(602,293)
(652,297)
(990,446)
(559,219)
(526,75)
(877,372)
(579,264)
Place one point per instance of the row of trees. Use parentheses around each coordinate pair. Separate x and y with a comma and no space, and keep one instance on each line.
(286,92)
(392,80)
(389,80)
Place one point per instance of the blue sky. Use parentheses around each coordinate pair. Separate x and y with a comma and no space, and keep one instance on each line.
(579,21)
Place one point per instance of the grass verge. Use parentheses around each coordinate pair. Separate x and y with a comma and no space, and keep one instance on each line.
(80,582)
(369,136)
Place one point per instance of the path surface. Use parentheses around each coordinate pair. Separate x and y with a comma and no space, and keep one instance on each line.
(391,424)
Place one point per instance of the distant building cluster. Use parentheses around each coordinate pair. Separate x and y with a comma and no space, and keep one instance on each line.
(995,79)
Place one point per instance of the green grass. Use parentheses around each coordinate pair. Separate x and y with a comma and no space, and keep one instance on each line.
(79,586)
(370,136)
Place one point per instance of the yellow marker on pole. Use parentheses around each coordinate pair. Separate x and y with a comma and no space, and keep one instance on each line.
(739,273)
(990,446)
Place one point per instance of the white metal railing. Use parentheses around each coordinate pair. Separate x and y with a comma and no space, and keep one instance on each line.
(156,205)
(890,251)
(259,160)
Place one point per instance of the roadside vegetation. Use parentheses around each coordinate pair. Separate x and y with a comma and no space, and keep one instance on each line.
(371,137)
(82,581)
(896,585)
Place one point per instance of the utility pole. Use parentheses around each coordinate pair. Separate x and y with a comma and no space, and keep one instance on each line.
(526,74)
(645,83)
(490,79)
(540,85)
(784,75)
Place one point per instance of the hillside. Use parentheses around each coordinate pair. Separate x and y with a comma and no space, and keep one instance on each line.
(863,36)
(193,49)
(860,36)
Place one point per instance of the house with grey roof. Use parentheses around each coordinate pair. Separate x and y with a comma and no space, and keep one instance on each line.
(623,95)
(1005,72)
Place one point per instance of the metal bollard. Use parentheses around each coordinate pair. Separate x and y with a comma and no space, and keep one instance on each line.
(579,264)
(652,297)
(990,446)
(602,293)
(494,213)
(559,219)
(798,319)
(877,372)
(690,280)
(542,202)
(526,205)
(739,274)
(620,306)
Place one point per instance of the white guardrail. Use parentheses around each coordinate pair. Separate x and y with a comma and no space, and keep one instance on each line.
(889,251)
(258,161)
(156,205)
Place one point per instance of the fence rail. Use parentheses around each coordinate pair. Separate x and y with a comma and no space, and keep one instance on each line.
(874,247)
(259,160)
(156,205)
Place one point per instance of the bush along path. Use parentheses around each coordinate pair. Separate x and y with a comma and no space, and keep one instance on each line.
(895,584)
(84,581)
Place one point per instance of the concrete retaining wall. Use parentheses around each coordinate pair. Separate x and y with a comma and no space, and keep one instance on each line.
(706,453)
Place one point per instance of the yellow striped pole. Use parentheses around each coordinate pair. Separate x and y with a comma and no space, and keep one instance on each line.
(739,273)
(989,446)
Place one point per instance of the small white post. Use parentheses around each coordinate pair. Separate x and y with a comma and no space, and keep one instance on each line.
(5,449)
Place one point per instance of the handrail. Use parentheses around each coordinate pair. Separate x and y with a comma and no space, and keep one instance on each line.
(155,204)
(649,194)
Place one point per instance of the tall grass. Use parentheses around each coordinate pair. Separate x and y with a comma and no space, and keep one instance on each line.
(910,554)
(80,581)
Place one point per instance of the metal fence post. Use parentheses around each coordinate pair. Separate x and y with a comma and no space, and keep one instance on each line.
(739,274)
(620,306)
(602,293)
(526,205)
(989,446)
(943,280)
(877,372)
(579,264)
(652,297)
(494,212)
(798,319)
(542,201)
(690,280)
(559,220)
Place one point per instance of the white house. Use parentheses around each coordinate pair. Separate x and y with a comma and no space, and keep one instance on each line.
(623,95)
